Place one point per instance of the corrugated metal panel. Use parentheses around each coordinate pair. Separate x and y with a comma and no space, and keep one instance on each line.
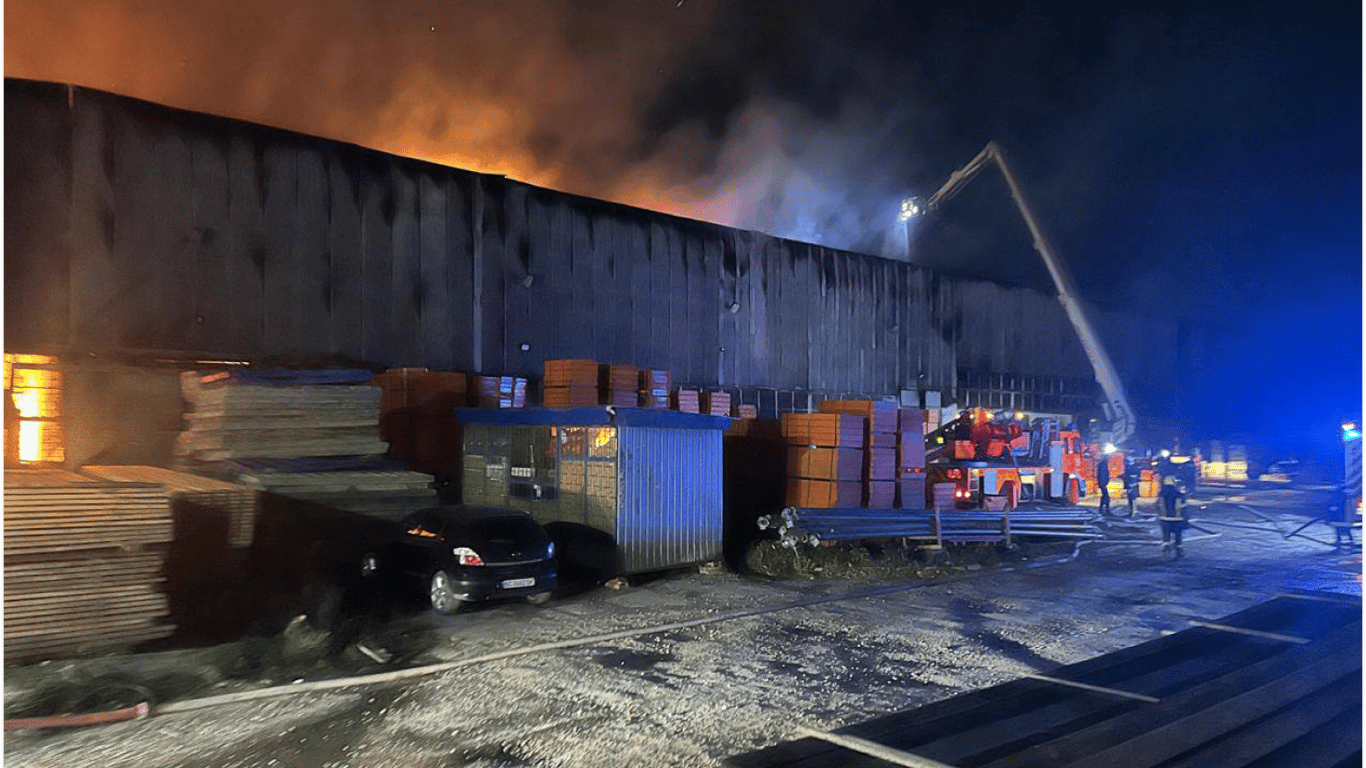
(670,497)
(140,227)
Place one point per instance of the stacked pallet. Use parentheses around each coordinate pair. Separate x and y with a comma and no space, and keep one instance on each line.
(687,400)
(716,403)
(570,383)
(617,385)
(499,392)
(654,388)
(83,565)
(223,504)
(274,414)
(417,416)
(910,458)
(739,411)
(825,459)
(880,418)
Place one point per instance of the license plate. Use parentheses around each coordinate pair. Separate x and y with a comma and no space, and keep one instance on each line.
(517,583)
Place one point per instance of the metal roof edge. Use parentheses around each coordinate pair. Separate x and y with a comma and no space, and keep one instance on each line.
(654,418)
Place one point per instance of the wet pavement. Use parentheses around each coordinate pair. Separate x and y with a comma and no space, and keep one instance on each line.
(684,670)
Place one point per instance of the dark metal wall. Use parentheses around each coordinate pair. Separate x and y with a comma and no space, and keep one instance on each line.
(131,226)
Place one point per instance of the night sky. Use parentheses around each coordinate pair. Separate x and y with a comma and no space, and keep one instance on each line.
(1194,160)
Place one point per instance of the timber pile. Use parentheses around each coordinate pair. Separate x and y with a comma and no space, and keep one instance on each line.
(367,488)
(83,565)
(311,435)
(229,503)
(269,415)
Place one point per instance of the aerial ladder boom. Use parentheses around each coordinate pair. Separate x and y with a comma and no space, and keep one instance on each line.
(1116,402)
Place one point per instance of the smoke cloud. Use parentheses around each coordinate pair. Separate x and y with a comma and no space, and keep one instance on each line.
(654,103)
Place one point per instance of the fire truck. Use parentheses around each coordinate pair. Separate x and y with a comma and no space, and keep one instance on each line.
(995,462)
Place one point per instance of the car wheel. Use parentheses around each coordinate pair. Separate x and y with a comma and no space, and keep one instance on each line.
(442,594)
(540,598)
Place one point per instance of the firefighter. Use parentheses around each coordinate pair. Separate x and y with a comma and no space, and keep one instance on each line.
(1103,480)
(1172,521)
(1132,475)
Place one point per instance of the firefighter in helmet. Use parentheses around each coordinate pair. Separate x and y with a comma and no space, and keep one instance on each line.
(1173,521)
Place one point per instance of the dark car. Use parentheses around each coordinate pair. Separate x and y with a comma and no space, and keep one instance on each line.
(470,554)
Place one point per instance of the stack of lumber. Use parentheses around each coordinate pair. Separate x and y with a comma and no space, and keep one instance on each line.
(716,403)
(910,459)
(499,392)
(280,414)
(232,506)
(654,388)
(570,383)
(825,459)
(744,411)
(83,565)
(368,488)
(265,429)
(687,400)
(618,385)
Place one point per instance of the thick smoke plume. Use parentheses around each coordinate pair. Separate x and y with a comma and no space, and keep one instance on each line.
(627,100)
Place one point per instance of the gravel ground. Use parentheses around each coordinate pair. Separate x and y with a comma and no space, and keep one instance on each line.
(701,666)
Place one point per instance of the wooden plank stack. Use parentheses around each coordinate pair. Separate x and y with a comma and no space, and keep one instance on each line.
(654,388)
(83,565)
(880,419)
(570,383)
(268,431)
(238,419)
(741,411)
(385,494)
(235,505)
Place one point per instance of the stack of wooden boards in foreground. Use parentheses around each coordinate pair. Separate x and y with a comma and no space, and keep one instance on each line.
(856,453)
(83,564)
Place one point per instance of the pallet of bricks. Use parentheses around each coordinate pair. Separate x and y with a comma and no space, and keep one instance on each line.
(825,459)
(654,388)
(570,383)
(498,391)
(879,445)
(83,565)
(912,424)
(417,417)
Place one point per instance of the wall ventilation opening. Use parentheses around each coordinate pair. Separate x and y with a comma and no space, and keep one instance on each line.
(33,432)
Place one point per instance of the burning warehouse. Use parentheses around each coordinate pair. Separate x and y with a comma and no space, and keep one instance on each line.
(141,239)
